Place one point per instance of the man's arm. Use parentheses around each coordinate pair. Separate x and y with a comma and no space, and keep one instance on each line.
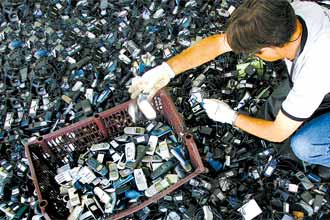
(274,131)
(158,77)
(201,52)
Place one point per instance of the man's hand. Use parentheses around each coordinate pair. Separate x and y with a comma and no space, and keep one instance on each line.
(158,77)
(219,111)
(274,131)
(151,81)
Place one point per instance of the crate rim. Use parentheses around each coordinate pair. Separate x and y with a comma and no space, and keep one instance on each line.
(98,119)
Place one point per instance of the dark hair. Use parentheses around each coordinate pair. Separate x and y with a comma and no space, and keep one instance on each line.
(260,23)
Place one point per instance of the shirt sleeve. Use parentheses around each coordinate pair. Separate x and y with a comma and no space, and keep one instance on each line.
(311,85)
(302,102)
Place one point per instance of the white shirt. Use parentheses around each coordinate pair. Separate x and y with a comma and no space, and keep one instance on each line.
(311,72)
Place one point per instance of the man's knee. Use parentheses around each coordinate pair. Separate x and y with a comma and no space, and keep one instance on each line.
(301,147)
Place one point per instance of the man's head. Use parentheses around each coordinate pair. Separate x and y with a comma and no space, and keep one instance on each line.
(261,27)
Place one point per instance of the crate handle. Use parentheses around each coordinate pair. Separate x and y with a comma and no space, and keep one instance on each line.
(43,203)
(41,141)
(188,138)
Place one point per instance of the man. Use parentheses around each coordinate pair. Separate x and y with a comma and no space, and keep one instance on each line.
(273,30)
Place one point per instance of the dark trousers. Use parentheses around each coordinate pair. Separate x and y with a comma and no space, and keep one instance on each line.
(270,109)
(311,137)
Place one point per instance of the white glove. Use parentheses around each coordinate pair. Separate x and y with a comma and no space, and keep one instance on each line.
(219,111)
(151,81)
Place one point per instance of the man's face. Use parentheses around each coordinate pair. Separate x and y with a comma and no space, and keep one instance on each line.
(269,54)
